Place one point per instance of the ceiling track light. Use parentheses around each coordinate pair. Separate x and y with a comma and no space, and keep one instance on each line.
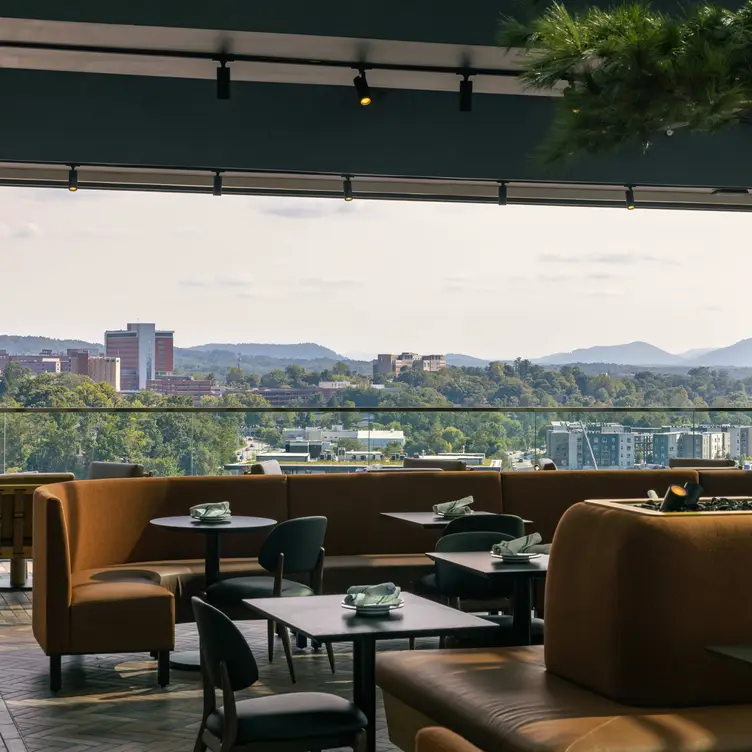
(362,88)
(73,178)
(466,93)
(347,189)
(502,193)
(217,184)
(630,198)
(223,78)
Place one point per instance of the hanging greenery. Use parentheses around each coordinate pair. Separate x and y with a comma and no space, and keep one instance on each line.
(633,74)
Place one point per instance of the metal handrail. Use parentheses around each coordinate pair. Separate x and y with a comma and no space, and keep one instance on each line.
(375,409)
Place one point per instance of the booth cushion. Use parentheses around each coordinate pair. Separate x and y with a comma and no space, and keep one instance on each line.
(126,613)
(503,699)
(544,497)
(353,504)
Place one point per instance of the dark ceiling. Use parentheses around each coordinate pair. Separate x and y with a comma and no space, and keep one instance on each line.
(64,108)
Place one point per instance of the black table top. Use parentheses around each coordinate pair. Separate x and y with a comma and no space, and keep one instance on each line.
(237,524)
(428,520)
(321,617)
(482,562)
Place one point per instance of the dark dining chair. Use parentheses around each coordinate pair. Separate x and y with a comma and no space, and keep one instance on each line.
(291,722)
(294,547)
(452,584)
(508,524)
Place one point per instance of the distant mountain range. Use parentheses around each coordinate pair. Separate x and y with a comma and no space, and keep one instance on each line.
(302,351)
(644,354)
(263,357)
(21,345)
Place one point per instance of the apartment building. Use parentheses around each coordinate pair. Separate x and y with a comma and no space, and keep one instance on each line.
(386,363)
(740,441)
(145,354)
(574,445)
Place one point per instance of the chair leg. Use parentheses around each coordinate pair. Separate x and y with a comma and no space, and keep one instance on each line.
(330,655)
(56,672)
(285,635)
(163,668)
(412,643)
(270,629)
(360,743)
(199,746)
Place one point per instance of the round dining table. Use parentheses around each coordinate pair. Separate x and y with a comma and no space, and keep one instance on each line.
(190,660)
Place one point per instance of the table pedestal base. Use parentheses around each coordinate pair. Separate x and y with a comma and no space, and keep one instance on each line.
(364,685)
(186,660)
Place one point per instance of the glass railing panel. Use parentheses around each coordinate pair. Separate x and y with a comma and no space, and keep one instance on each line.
(219,440)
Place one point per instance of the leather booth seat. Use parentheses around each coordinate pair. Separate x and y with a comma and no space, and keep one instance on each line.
(504,700)
(635,599)
(97,557)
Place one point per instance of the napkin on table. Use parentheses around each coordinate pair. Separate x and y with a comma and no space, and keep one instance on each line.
(385,594)
(522,545)
(210,510)
(461,506)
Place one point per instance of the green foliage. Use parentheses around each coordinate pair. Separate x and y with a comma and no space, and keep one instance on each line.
(165,443)
(634,73)
(350,445)
(170,443)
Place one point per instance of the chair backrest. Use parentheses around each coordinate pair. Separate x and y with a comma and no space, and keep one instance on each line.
(222,642)
(434,463)
(300,540)
(509,524)
(546,464)
(449,578)
(267,467)
(99,470)
(692,462)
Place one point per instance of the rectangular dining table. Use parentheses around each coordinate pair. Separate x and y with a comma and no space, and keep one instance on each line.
(323,618)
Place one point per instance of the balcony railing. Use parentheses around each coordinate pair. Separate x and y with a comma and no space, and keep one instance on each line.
(214,440)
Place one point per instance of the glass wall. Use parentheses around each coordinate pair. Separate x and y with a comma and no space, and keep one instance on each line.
(212,441)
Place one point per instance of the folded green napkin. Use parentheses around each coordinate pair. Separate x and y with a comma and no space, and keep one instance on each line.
(210,510)
(461,506)
(518,545)
(385,594)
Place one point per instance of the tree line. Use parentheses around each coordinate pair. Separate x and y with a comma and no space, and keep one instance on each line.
(202,444)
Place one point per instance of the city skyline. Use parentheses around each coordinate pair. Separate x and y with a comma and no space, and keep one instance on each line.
(368,277)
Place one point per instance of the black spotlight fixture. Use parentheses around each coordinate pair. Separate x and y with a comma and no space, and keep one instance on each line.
(502,194)
(347,189)
(630,198)
(674,500)
(223,79)
(466,94)
(217,184)
(73,178)
(362,88)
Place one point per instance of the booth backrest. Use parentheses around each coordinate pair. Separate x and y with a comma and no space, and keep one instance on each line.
(726,482)
(544,497)
(695,463)
(354,503)
(635,598)
(108,520)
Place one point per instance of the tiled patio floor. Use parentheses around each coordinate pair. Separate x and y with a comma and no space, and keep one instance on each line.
(112,702)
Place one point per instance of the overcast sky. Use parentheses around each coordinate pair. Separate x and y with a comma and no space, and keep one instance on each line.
(367,277)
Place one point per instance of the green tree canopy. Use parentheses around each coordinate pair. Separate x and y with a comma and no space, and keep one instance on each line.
(634,74)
